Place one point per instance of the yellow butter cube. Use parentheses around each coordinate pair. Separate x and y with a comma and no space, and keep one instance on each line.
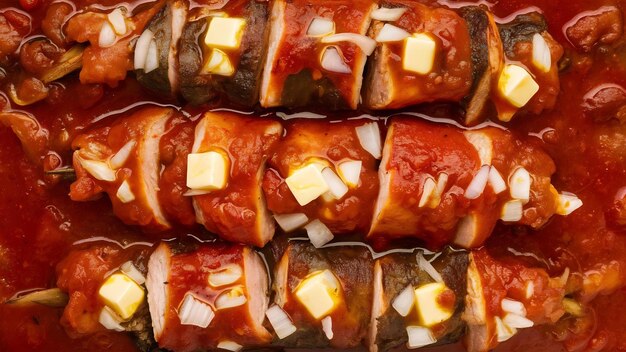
(419,53)
(218,64)
(427,302)
(516,85)
(225,32)
(207,171)
(319,293)
(307,183)
(122,294)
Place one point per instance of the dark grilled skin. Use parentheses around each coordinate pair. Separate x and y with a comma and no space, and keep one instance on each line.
(157,79)
(521,29)
(302,90)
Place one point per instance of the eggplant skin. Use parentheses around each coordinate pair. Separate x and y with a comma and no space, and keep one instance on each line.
(521,29)
(302,90)
(194,87)
(478,24)
(158,79)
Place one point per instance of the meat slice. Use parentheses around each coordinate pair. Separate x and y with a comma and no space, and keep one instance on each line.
(124,161)
(238,212)
(199,271)
(294,76)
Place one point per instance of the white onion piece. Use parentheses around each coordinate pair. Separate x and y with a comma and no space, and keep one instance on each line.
(117,20)
(388,14)
(428,189)
(141,49)
(512,306)
(350,172)
(119,159)
(369,137)
(365,43)
(318,233)
(229,346)
(567,203)
(225,276)
(512,210)
(332,60)
(530,289)
(131,271)
(327,327)
(195,312)
(419,337)
(403,303)
(478,183)
(98,169)
(124,193)
(110,320)
(107,35)
(496,181)
(428,267)
(517,321)
(337,188)
(542,58)
(290,222)
(280,321)
(442,181)
(230,299)
(152,57)
(391,33)
(195,192)
(519,184)
(320,27)
(503,331)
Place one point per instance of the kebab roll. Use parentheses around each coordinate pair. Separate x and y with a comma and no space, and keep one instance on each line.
(317,53)
(224,173)
(423,55)
(208,297)
(222,52)
(324,174)
(324,295)
(123,161)
(418,299)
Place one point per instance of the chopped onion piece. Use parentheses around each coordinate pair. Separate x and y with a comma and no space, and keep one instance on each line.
(225,276)
(419,336)
(391,33)
(428,190)
(496,181)
(290,222)
(369,137)
(110,320)
(530,289)
(366,44)
(332,60)
(107,35)
(141,49)
(428,267)
(117,20)
(478,183)
(131,271)
(517,321)
(503,331)
(98,169)
(541,53)
(512,306)
(519,184)
(152,57)
(567,203)
(318,233)
(195,192)
(404,301)
(195,312)
(327,326)
(119,159)
(512,210)
(231,298)
(280,321)
(229,346)
(320,27)
(388,14)
(350,172)
(124,193)
(337,188)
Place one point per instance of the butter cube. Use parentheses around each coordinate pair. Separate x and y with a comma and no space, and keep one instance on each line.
(307,183)
(225,32)
(122,294)
(218,64)
(516,85)
(419,53)
(207,171)
(429,307)
(319,293)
